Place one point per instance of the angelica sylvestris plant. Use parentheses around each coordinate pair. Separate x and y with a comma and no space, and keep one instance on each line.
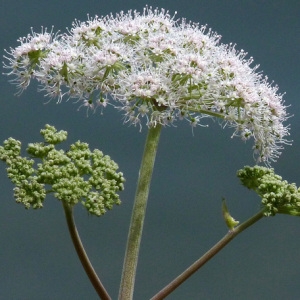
(156,70)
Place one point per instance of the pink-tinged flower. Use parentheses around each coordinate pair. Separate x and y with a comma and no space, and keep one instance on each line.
(153,67)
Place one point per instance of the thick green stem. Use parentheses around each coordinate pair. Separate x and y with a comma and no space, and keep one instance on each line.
(102,293)
(138,214)
(167,290)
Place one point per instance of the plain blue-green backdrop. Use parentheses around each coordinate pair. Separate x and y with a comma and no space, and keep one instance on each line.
(193,172)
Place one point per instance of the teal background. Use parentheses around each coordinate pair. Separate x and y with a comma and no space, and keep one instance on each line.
(193,171)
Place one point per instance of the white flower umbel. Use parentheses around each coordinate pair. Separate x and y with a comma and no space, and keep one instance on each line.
(156,68)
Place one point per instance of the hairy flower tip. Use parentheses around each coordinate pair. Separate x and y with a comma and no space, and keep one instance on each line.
(158,69)
(78,175)
(278,196)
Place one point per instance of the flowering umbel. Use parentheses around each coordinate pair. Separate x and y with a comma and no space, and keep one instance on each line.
(154,67)
(277,195)
(78,175)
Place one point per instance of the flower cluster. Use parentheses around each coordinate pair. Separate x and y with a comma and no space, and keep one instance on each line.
(154,67)
(74,176)
(278,196)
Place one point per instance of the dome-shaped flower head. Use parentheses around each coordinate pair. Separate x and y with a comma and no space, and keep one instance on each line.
(156,68)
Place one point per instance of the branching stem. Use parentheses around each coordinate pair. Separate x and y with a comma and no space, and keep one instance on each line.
(167,290)
(97,284)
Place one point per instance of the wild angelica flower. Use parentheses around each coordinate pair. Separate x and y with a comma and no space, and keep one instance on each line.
(153,67)
(78,175)
(277,195)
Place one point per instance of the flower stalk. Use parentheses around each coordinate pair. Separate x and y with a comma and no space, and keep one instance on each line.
(231,234)
(94,279)
(138,214)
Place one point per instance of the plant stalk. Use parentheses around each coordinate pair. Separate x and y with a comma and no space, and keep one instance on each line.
(97,284)
(138,214)
(167,290)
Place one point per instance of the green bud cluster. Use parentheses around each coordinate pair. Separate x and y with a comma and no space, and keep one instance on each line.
(278,196)
(77,175)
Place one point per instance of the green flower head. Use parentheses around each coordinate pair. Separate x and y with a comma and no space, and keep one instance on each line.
(77,175)
(277,195)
